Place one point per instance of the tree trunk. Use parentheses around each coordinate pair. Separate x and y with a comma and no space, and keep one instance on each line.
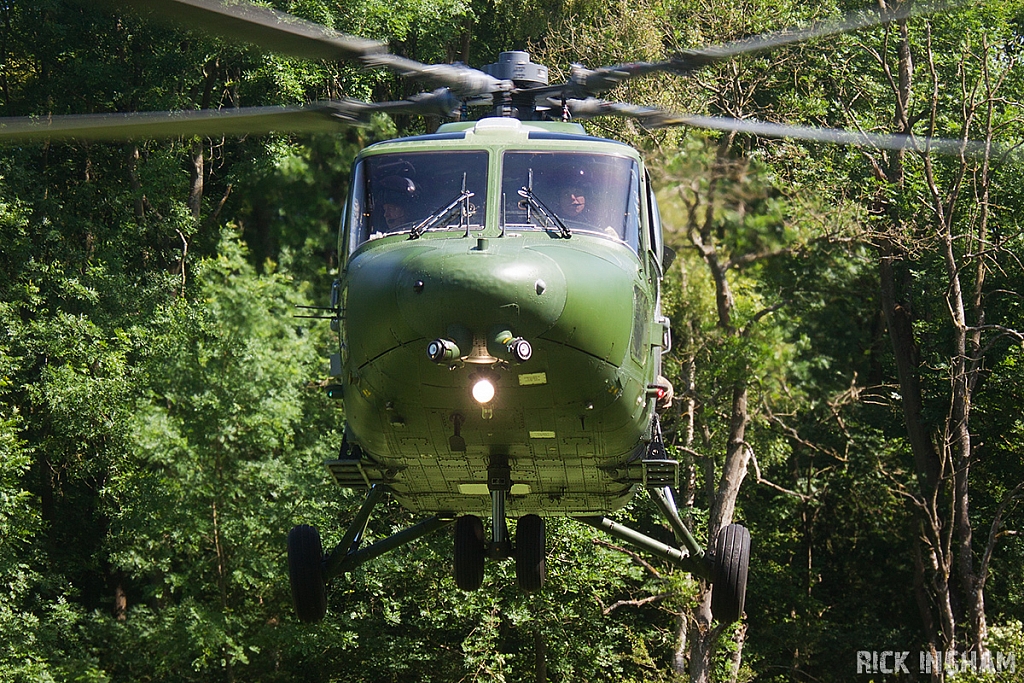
(723,506)
(196,177)
(927,461)
(197,167)
(540,653)
(702,638)
(138,200)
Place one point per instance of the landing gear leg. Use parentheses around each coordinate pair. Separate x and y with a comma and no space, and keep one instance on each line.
(500,546)
(309,570)
(659,473)
(666,502)
(499,482)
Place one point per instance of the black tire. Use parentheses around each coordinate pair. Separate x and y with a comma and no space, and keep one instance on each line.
(470,551)
(530,553)
(305,570)
(729,573)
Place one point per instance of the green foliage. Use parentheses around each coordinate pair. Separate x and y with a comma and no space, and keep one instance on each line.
(161,419)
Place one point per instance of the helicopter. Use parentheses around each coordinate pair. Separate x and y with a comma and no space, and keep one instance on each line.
(498,310)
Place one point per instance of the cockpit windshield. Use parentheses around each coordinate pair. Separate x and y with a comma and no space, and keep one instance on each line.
(418,192)
(596,193)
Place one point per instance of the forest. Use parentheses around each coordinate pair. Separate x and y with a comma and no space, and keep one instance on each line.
(848,327)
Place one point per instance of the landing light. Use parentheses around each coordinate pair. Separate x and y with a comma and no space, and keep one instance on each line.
(483,391)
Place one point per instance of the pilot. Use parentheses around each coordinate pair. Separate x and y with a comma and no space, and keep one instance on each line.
(574,202)
(394,214)
(396,193)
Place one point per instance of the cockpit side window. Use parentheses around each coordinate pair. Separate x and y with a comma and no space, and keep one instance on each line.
(655,221)
(587,192)
(397,193)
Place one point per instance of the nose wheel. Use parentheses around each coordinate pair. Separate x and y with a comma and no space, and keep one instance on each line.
(530,553)
(471,549)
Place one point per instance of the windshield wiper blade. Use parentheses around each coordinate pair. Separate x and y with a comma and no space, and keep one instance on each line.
(553,221)
(439,216)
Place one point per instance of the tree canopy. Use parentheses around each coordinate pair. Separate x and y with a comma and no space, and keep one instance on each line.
(848,332)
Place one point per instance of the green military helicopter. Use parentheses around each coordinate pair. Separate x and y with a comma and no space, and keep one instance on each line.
(499,313)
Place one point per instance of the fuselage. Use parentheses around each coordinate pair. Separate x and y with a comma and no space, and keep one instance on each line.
(557,312)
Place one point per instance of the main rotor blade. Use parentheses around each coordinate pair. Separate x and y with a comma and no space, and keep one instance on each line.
(852,21)
(284,33)
(441,102)
(463,80)
(971,149)
(321,117)
(651,117)
(659,118)
(585,82)
(262,26)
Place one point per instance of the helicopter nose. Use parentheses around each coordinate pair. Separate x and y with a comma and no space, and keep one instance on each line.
(480,287)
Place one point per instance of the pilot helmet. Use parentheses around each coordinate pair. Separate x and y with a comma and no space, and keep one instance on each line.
(396,189)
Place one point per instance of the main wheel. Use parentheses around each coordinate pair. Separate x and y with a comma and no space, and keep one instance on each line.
(729,573)
(470,550)
(305,570)
(530,553)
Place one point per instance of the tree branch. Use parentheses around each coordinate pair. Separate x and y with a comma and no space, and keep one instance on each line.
(993,532)
(636,557)
(635,603)
(770,484)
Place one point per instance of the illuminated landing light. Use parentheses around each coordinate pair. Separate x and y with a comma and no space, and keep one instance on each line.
(483,391)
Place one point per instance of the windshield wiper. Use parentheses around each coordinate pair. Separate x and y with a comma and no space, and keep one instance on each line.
(552,219)
(460,203)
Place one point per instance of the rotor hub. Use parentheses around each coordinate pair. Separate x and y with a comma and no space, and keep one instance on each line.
(515,66)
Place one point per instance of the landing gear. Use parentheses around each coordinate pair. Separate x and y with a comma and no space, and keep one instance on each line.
(725,567)
(470,551)
(305,570)
(729,573)
(530,553)
(309,570)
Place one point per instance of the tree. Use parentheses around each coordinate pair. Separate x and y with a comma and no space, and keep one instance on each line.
(939,227)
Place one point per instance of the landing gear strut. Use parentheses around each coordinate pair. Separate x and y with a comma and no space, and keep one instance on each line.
(725,567)
(471,548)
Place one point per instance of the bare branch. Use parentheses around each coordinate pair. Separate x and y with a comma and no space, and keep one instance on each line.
(746,259)
(760,314)
(220,205)
(635,556)
(993,532)
(635,603)
(770,484)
